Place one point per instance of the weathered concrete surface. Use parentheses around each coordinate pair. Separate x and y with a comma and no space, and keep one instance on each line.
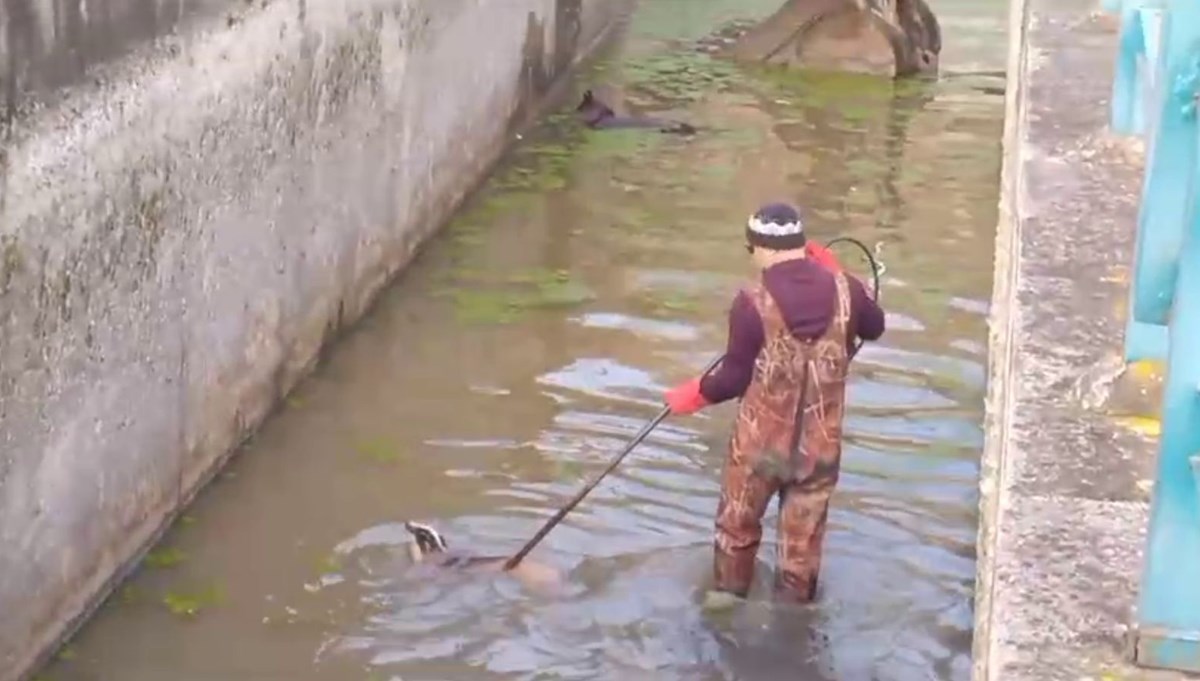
(186,222)
(50,45)
(1065,485)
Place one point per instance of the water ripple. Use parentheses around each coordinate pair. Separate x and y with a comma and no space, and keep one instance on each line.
(492,411)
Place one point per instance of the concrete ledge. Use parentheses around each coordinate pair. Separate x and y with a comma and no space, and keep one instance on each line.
(184,229)
(1065,486)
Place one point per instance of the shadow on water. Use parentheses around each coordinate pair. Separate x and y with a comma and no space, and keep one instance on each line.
(536,335)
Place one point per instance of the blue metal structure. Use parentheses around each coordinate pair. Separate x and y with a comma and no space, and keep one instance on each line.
(1155,95)
(1137,96)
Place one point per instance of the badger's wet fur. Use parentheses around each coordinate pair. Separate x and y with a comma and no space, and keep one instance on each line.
(597,115)
(429,547)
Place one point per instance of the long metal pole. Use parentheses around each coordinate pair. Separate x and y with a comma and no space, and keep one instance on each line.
(562,512)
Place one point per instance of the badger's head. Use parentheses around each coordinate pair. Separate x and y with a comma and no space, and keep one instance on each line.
(426,540)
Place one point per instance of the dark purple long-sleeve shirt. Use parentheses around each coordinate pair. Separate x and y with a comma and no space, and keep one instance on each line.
(806,294)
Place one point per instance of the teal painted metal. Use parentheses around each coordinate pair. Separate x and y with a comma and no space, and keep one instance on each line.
(1170,162)
(1144,341)
(1169,603)
(1165,290)
(1170,650)
(1135,95)
(1195,462)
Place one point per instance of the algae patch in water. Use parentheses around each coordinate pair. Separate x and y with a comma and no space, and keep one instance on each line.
(742,138)
(538,168)
(165,558)
(381,450)
(600,145)
(484,307)
(129,594)
(552,288)
(679,76)
(857,98)
(864,168)
(533,179)
(329,564)
(720,172)
(567,469)
(668,304)
(190,603)
(861,200)
(556,294)
(490,302)
(830,88)
(680,20)
(468,229)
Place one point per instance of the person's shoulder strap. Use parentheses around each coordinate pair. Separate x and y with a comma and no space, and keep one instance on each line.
(842,307)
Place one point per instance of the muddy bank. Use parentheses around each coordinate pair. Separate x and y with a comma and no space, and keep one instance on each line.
(188,213)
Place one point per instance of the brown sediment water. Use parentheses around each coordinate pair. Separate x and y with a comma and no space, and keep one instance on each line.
(537,333)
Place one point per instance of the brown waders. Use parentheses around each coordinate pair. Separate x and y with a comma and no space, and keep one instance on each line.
(787,440)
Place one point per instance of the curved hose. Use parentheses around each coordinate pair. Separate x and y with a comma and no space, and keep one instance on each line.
(876,271)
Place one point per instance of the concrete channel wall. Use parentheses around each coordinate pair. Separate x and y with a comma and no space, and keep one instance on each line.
(1066,479)
(192,203)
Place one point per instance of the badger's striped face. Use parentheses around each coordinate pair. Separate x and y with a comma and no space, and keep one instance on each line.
(427,539)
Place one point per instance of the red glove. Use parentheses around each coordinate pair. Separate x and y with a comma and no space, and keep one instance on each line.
(822,256)
(686,398)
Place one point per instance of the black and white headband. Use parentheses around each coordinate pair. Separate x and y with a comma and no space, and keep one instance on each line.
(776,236)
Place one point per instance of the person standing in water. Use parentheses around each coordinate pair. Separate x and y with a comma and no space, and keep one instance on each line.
(790,338)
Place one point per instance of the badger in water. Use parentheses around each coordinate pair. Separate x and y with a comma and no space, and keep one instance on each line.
(430,548)
(597,115)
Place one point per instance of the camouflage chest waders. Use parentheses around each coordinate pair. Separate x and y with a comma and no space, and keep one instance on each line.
(787,440)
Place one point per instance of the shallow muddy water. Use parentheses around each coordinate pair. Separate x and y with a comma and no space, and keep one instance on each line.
(538,332)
